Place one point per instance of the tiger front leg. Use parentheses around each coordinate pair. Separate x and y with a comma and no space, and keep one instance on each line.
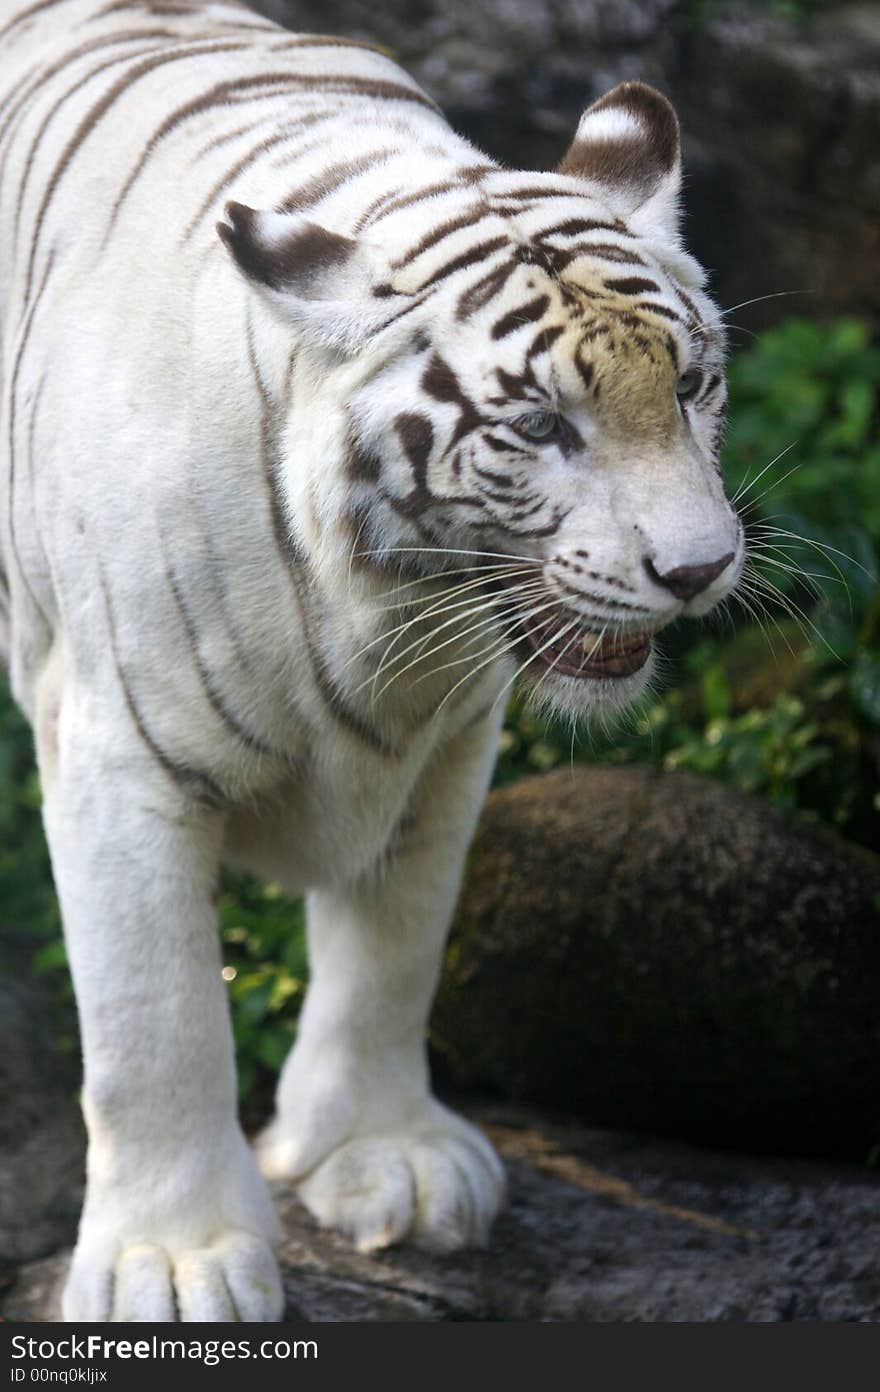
(177,1222)
(373,1152)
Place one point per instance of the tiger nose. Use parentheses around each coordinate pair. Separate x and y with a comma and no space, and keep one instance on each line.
(686,581)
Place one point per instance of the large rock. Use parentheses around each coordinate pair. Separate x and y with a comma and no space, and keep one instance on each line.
(657,951)
(603,1228)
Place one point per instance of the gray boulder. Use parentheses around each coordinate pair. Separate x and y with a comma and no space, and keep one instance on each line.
(657,951)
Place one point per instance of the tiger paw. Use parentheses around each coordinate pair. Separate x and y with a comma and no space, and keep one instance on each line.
(234,1277)
(438,1184)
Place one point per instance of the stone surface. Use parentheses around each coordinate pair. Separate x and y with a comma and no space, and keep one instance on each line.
(656,950)
(601,1227)
(781,123)
(41,1136)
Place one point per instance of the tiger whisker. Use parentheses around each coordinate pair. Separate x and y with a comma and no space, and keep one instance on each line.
(471,605)
(494,656)
(437,575)
(795,612)
(510,624)
(482,624)
(438,609)
(722,314)
(822,547)
(745,587)
(460,587)
(745,487)
(487,607)
(537,653)
(450,551)
(760,554)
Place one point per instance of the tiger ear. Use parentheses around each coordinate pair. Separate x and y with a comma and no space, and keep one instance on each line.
(322,280)
(628,143)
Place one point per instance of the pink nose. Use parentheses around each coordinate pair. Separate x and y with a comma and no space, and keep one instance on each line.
(689,580)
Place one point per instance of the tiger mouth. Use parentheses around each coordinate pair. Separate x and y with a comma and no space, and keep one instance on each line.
(586,653)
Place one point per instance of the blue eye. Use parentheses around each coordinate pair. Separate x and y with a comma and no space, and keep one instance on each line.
(689,384)
(539,426)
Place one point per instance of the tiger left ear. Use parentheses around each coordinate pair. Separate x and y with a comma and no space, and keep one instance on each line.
(320,280)
(285,253)
(628,143)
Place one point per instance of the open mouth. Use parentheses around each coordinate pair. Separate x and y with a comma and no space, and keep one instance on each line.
(588,654)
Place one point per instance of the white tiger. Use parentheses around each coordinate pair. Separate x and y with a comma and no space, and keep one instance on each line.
(287,508)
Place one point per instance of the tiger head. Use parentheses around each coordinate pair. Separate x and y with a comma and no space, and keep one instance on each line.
(521,380)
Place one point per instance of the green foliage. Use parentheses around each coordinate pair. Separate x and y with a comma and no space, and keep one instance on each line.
(697,13)
(27,900)
(790,711)
(264,956)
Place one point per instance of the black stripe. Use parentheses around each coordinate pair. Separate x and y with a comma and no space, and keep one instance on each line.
(529,193)
(376,88)
(194,10)
(81,82)
(31,75)
(544,340)
(283,541)
(330,179)
(478,295)
(196,784)
(709,386)
(660,309)
(215,698)
(501,446)
(599,599)
(500,480)
(407,200)
(40,77)
(13,389)
(441,383)
(94,116)
(525,314)
(268,143)
(585,369)
(415,303)
(27,14)
(296,568)
(520,513)
(323,41)
(363,464)
(632,285)
(438,234)
(465,259)
(607,251)
(573,227)
(388,197)
(221,95)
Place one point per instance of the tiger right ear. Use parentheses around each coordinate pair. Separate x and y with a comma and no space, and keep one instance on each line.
(628,143)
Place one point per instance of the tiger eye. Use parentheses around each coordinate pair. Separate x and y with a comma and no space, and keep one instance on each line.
(539,426)
(689,384)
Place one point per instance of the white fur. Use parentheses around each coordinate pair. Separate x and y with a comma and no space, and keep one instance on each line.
(159,641)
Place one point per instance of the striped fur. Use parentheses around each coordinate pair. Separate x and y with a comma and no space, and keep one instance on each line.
(319,428)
